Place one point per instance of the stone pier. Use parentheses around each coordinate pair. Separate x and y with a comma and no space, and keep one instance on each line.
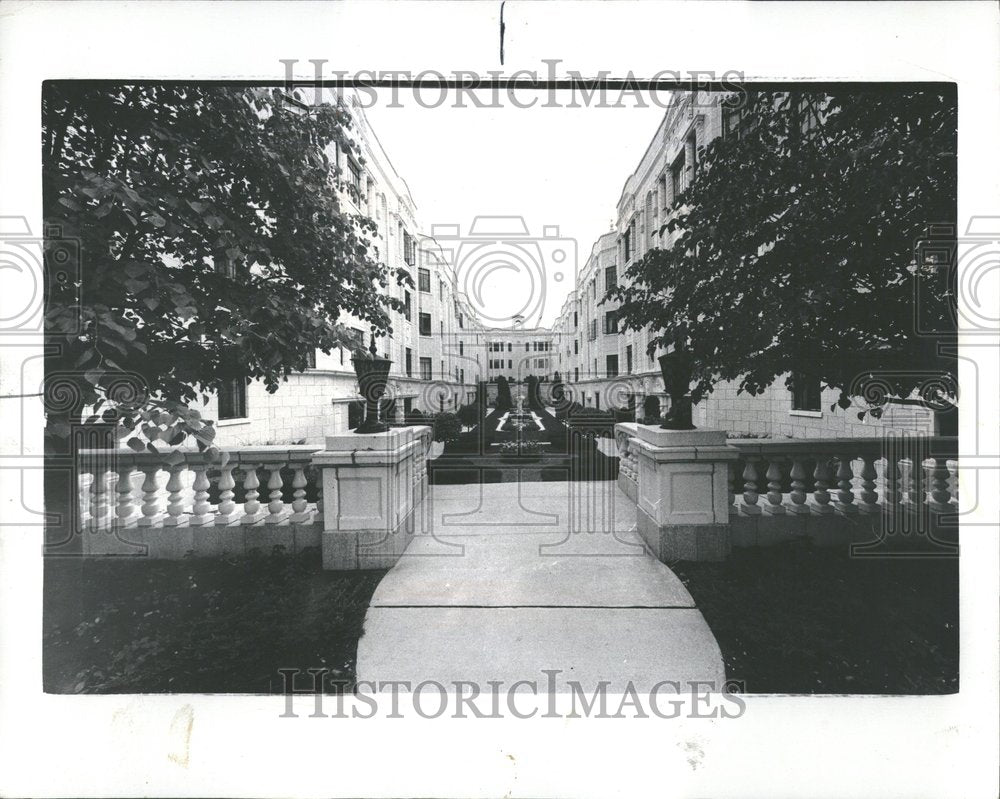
(372,484)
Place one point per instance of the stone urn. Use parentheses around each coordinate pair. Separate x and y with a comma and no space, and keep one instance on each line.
(675,367)
(373,375)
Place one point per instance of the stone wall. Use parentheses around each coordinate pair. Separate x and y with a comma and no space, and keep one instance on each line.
(313,405)
(771,414)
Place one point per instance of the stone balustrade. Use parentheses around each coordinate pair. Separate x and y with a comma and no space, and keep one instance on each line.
(830,489)
(180,503)
(844,475)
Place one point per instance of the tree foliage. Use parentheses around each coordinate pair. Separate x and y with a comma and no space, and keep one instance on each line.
(797,248)
(212,247)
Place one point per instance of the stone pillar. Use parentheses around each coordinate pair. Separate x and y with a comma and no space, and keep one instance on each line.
(683,492)
(372,484)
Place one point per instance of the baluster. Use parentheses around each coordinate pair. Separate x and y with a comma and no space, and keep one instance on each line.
(152,515)
(201,509)
(126,508)
(798,495)
(275,506)
(750,495)
(83,494)
(252,512)
(909,494)
(893,481)
(940,493)
(299,483)
(953,479)
(774,495)
(176,517)
(845,488)
(869,488)
(100,507)
(227,508)
(821,496)
(319,497)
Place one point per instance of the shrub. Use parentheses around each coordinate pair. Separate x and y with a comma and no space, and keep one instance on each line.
(447,427)
(468,415)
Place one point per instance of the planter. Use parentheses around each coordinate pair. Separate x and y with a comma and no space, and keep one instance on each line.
(675,367)
(373,374)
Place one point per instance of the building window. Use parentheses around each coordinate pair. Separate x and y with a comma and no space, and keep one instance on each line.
(461,376)
(628,244)
(610,278)
(440,288)
(409,362)
(409,249)
(612,366)
(805,393)
(355,176)
(576,321)
(736,121)
(678,177)
(593,329)
(461,348)
(610,323)
(628,359)
(425,324)
(510,363)
(426,370)
(407,306)
(461,320)
(311,359)
(233,399)
(576,374)
(576,346)
(424,280)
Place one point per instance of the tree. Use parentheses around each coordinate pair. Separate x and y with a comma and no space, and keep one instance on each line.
(504,400)
(533,390)
(212,247)
(798,249)
(557,394)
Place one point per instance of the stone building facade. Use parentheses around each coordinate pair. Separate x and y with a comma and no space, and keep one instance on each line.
(519,351)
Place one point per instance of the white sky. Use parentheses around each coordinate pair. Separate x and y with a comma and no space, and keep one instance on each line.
(552,166)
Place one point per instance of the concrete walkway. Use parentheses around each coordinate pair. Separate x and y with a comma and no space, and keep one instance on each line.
(505,580)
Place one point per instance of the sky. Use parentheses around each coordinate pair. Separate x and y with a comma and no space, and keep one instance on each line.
(553,167)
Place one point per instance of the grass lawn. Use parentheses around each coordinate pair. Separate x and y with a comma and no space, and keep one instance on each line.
(199,625)
(798,619)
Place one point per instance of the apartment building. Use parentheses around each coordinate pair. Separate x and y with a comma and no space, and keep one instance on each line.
(616,370)
(436,344)
(518,352)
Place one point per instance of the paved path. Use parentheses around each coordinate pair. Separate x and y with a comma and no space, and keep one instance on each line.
(505,580)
